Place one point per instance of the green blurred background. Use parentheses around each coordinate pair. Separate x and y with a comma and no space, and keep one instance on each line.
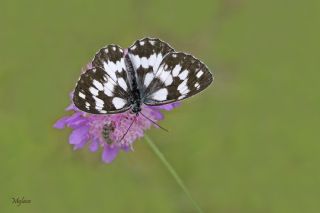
(249,143)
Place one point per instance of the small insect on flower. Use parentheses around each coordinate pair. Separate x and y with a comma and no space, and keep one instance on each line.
(106,130)
(122,92)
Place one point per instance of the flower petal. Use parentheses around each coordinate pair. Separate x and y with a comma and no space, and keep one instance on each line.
(61,123)
(94,146)
(77,123)
(157,114)
(71,107)
(76,120)
(127,148)
(109,153)
(80,145)
(79,135)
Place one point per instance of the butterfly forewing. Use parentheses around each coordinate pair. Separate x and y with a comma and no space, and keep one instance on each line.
(104,89)
(179,76)
(146,55)
(111,60)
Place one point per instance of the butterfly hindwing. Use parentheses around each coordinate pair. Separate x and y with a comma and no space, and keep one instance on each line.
(146,55)
(104,89)
(179,76)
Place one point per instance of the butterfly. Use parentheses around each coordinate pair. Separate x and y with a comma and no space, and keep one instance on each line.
(150,72)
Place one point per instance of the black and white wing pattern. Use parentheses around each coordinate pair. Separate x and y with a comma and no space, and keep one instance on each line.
(149,72)
(178,76)
(146,55)
(104,89)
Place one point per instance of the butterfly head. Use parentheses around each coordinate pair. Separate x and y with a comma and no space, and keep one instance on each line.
(136,107)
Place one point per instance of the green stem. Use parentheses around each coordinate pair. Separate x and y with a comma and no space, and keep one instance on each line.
(172,171)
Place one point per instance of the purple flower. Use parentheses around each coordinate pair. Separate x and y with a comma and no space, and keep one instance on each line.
(107,131)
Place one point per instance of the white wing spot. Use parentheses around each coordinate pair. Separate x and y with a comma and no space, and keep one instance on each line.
(119,66)
(108,88)
(183,74)
(152,59)
(98,85)
(87,105)
(133,47)
(114,48)
(122,84)
(148,78)
(163,75)
(106,50)
(152,42)
(186,91)
(182,86)
(99,102)
(157,63)
(118,102)
(181,97)
(144,62)
(174,55)
(160,95)
(142,43)
(176,70)
(106,66)
(93,91)
(112,71)
(123,65)
(98,107)
(135,59)
(199,74)
(169,80)
(81,95)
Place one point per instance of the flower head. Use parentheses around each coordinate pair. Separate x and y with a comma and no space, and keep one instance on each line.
(111,133)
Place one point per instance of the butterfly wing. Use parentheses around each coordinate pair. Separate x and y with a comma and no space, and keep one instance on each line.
(104,89)
(146,55)
(179,76)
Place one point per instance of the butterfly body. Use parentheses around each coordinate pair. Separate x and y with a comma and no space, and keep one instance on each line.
(135,98)
(150,72)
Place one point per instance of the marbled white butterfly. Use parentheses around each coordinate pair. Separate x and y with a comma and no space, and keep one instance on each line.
(149,72)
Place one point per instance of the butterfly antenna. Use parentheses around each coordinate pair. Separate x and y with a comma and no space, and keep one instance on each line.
(128,129)
(154,122)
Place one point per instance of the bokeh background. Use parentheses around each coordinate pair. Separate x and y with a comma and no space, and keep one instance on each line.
(250,143)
